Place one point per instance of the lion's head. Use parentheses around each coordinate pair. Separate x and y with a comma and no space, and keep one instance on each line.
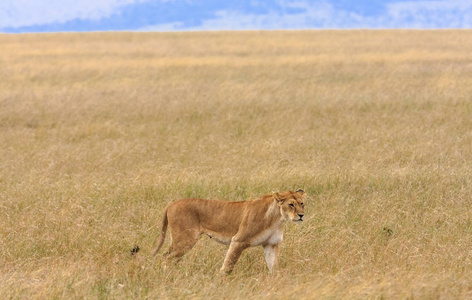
(291,205)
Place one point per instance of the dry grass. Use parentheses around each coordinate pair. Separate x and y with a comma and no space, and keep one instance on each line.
(100,131)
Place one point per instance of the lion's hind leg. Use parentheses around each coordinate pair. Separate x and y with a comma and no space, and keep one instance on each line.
(182,242)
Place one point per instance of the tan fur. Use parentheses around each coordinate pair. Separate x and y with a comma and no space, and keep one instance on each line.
(240,225)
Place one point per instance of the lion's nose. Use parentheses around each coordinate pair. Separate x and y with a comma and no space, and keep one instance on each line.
(300,215)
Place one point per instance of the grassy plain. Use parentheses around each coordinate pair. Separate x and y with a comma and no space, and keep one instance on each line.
(100,131)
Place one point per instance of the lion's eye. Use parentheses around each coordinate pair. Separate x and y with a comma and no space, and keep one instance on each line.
(301,204)
(291,204)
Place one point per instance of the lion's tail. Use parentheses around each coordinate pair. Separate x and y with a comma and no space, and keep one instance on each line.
(165,221)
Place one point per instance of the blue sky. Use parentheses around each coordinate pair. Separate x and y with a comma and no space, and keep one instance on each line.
(18,16)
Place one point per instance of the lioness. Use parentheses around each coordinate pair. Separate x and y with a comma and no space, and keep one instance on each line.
(240,225)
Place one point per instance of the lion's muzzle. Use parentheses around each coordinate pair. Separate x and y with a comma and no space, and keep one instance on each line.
(300,218)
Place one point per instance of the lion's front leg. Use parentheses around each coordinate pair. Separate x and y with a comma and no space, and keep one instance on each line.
(271,253)
(232,256)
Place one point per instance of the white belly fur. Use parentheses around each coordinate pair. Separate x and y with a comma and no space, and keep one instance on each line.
(270,236)
(218,237)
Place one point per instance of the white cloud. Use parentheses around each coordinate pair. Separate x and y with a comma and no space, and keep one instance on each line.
(235,20)
(17,13)
(430,14)
(323,15)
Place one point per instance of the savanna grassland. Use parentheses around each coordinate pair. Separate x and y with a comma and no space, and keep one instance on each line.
(99,132)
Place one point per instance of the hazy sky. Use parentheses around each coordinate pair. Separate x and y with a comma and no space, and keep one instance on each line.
(176,15)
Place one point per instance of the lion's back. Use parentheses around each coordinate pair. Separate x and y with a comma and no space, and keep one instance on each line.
(214,214)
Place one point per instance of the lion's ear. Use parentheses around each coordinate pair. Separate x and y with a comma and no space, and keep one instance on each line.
(277,197)
(301,193)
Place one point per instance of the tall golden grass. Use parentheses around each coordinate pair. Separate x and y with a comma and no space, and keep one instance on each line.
(100,131)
